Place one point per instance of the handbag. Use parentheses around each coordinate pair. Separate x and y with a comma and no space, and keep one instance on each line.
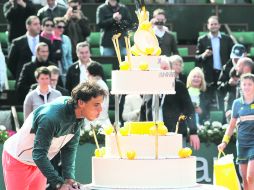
(224,172)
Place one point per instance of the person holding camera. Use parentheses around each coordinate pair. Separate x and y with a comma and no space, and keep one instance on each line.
(212,52)
(20,9)
(77,25)
(166,39)
(51,10)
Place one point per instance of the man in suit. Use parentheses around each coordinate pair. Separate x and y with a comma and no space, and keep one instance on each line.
(212,52)
(23,48)
(26,78)
(77,72)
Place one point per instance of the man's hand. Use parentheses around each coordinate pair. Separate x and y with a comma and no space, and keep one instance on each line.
(66,187)
(207,53)
(232,81)
(222,146)
(74,184)
(21,3)
(194,142)
(117,16)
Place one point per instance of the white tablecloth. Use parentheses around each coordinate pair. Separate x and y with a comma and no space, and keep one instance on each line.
(197,187)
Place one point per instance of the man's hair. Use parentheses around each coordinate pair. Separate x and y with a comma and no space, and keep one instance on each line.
(30,19)
(74,1)
(247,76)
(39,45)
(95,69)
(54,70)
(41,70)
(247,62)
(85,91)
(213,17)
(82,44)
(58,20)
(159,12)
(46,19)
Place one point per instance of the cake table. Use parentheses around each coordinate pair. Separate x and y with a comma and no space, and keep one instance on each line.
(197,187)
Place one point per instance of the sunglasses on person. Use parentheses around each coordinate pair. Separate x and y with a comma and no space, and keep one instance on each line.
(60,27)
(49,25)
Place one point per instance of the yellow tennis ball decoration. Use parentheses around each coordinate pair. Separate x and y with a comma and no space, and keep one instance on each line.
(162,130)
(100,152)
(185,152)
(146,25)
(149,51)
(124,131)
(158,51)
(125,66)
(144,66)
(131,155)
(109,130)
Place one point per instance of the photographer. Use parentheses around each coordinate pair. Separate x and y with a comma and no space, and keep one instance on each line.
(167,41)
(77,25)
(20,9)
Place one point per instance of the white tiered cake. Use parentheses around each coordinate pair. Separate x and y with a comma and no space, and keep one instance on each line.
(138,158)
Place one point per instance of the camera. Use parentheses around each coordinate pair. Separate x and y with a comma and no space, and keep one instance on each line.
(209,47)
(74,8)
(159,23)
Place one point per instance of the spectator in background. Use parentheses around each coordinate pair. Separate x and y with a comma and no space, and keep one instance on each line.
(55,73)
(56,43)
(42,94)
(131,108)
(3,71)
(77,72)
(212,52)
(77,25)
(52,9)
(196,86)
(112,17)
(26,78)
(238,51)
(23,48)
(176,62)
(66,47)
(166,39)
(244,65)
(96,74)
(16,12)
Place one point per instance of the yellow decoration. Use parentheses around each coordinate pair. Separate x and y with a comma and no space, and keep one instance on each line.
(124,66)
(141,128)
(100,152)
(162,130)
(143,66)
(158,51)
(185,152)
(131,155)
(149,51)
(146,25)
(124,131)
(108,130)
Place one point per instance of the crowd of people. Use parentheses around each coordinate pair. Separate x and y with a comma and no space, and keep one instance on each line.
(49,56)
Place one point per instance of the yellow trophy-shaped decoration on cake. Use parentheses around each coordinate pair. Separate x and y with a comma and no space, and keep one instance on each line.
(145,39)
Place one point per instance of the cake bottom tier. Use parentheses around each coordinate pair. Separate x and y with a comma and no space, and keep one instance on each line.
(144,173)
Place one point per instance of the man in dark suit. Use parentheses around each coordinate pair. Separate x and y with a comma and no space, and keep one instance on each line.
(27,78)
(212,52)
(23,48)
(77,72)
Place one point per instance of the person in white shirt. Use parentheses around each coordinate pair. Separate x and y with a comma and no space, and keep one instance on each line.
(42,94)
